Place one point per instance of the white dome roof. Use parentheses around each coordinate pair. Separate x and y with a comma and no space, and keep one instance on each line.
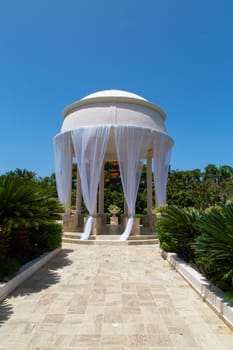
(113,93)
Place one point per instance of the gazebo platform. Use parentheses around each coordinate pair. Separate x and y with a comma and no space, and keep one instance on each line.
(112,239)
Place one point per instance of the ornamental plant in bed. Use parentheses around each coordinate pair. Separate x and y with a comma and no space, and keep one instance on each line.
(214,247)
(202,238)
(26,205)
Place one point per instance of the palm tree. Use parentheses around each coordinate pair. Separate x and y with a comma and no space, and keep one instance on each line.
(226,183)
(24,204)
(24,173)
(183,188)
(217,185)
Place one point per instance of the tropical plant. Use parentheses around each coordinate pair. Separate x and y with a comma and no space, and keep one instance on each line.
(114,209)
(8,268)
(4,240)
(24,204)
(214,247)
(183,188)
(23,173)
(161,209)
(177,229)
(167,241)
(213,186)
(47,236)
(50,182)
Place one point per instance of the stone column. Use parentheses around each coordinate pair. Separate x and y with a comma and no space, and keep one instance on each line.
(101,193)
(80,216)
(78,194)
(149,186)
(147,218)
(125,207)
(124,216)
(101,199)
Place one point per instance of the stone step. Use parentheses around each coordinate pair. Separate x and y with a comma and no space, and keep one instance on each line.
(107,237)
(143,241)
(77,241)
(74,235)
(140,237)
(75,238)
(110,241)
(77,235)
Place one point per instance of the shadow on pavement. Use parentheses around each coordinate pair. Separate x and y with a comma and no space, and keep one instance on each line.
(46,276)
(6,311)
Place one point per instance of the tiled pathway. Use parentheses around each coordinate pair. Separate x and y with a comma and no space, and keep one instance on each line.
(106,298)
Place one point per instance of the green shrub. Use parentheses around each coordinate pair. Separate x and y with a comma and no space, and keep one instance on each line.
(53,235)
(36,237)
(167,241)
(177,228)
(8,268)
(139,216)
(47,236)
(107,217)
(214,247)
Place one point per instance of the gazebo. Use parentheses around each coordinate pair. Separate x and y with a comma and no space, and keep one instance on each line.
(111,125)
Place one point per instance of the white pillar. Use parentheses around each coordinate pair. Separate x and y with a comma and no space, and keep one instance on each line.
(101,192)
(78,194)
(68,209)
(125,207)
(149,186)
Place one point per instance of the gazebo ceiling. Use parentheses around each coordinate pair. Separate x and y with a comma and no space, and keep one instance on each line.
(111,154)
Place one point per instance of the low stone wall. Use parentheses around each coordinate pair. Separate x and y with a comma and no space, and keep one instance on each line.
(209,293)
(25,272)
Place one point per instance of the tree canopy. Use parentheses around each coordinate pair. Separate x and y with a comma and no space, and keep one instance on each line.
(185,188)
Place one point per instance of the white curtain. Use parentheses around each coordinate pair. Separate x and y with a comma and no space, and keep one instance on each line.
(63,167)
(90,146)
(162,151)
(132,144)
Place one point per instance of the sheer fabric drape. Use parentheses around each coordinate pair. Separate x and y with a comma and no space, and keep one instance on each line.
(63,167)
(90,146)
(131,145)
(162,152)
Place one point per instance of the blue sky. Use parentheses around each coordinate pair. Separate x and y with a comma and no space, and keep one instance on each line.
(175,53)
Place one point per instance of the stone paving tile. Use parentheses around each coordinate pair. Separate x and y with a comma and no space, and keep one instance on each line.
(109,298)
